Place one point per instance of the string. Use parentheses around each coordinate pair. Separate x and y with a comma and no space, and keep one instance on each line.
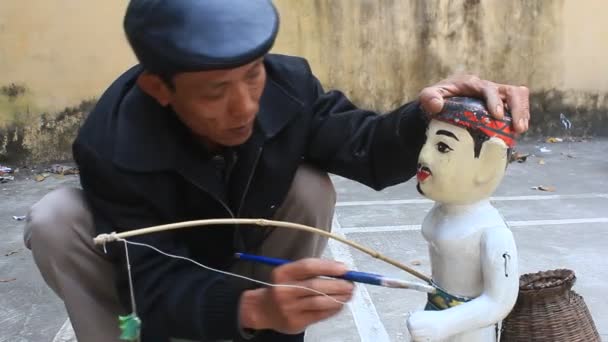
(229,273)
(133,307)
(131,290)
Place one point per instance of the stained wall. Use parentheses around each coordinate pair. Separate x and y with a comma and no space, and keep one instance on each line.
(56,57)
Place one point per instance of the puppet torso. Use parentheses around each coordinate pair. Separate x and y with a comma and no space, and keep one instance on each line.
(454,237)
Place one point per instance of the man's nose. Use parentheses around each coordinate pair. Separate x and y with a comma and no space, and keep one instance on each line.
(243,104)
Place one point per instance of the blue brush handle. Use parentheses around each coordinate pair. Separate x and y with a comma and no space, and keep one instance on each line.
(363,277)
(355,276)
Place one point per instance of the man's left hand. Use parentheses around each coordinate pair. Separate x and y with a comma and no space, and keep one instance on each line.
(516,98)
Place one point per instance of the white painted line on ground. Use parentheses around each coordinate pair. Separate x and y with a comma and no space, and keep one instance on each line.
(381,229)
(556,222)
(527,223)
(494,199)
(388,202)
(362,307)
(66,333)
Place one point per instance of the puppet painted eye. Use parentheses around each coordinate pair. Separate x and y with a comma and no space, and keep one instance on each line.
(443,147)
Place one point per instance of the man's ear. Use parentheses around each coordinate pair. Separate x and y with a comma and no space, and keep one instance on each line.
(154,86)
(492,161)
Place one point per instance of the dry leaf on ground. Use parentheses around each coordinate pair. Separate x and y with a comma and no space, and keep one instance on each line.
(519,157)
(12,252)
(544,188)
(42,176)
(553,140)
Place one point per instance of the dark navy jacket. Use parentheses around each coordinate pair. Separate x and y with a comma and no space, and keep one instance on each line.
(140,167)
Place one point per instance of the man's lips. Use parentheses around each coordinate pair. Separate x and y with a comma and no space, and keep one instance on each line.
(241,129)
(423,173)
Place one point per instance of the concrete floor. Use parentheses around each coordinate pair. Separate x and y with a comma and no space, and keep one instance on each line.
(567,228)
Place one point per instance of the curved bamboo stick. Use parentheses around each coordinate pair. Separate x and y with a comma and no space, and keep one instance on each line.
(104,238)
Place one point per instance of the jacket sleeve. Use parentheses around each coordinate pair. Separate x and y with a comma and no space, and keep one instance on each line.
(174,298)
(373,149)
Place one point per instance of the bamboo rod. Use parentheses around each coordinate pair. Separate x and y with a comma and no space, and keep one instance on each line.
(104,238)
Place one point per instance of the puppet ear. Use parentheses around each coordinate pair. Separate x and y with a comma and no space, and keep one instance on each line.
(492,162)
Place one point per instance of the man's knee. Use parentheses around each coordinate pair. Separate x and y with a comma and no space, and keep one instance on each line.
(51,220)
(312,190)
(311,198)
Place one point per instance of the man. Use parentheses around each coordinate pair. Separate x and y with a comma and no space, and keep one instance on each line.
(210,125)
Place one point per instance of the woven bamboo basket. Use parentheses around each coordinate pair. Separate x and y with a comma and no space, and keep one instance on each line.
(547,310)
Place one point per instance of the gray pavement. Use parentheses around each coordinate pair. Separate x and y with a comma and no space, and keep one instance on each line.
(567,228)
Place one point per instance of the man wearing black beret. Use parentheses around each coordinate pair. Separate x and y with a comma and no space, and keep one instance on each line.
(210,125)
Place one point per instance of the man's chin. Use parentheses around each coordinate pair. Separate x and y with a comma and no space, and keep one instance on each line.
(238,140)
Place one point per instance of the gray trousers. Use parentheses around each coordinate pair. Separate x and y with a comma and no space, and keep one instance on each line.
(60,230)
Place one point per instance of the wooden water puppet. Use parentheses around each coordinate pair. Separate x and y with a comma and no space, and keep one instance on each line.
(472,250)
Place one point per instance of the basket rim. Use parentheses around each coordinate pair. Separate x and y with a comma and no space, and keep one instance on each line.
(547,279)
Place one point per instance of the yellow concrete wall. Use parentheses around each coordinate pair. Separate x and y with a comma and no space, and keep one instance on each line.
(62,51)
(585,45)
(380,52)
(386,50)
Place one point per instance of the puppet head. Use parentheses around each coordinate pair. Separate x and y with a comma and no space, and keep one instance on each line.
(466,153)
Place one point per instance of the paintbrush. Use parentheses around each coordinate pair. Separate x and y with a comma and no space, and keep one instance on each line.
(354,276)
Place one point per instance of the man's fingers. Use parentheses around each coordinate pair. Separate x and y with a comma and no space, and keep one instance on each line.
(518,99)
(316,316)
(329,287)
(493,100)
(322,303)
(431,99)
(307,269)
(497,96)
(298,313)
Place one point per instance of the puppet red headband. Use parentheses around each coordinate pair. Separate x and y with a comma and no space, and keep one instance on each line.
(472,113)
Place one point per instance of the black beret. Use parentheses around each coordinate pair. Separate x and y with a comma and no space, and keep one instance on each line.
(170,36)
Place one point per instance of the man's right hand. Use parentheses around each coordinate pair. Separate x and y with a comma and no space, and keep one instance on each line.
(291,310)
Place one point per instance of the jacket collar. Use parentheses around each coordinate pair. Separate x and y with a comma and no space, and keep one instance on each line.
(277,108)
(150,138)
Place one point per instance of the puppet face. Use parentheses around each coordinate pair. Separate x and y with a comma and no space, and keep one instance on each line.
(449,172)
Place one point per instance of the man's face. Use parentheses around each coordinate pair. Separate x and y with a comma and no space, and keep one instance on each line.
(447,164)
(220,106)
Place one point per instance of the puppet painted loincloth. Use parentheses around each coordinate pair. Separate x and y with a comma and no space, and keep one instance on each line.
(441,300)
